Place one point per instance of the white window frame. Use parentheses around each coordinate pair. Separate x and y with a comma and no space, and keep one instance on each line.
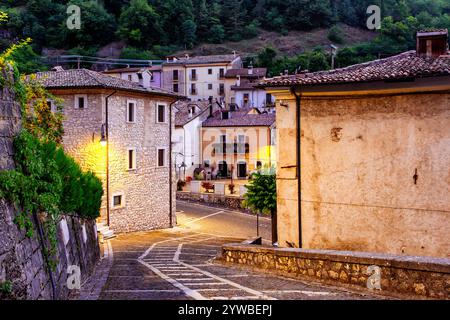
(128,111)
(134,160)
(165,112)
(165,157)
(53,108)
(85,97)
(117,194)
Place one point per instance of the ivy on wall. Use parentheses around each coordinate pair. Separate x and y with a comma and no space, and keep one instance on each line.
(46,181)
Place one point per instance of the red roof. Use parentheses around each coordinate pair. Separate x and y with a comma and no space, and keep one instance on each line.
(403,66)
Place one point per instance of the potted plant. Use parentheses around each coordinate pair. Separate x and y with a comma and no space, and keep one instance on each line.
(209,187)
(180,185)
(231,187)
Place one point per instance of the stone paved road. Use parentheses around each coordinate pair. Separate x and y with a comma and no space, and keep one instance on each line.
(177,264)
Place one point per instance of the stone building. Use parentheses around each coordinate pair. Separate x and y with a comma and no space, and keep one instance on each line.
(241,88)
(200,77)
(366,150)
(135,162)
(146,76)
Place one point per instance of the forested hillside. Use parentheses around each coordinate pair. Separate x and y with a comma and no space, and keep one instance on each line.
(154,28)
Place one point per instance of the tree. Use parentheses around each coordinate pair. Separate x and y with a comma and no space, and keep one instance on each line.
(217,33)
(97,25)
(335,34)
(266,57)
(261,196)
(139,24)
(189,29)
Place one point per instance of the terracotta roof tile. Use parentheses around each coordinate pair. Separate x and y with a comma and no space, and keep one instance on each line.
(84,78)
(405,65)
(240,118)
(182,115)
(225,58)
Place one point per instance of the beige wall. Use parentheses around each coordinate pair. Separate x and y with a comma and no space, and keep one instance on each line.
(257,137)
(145,191)
(358,159)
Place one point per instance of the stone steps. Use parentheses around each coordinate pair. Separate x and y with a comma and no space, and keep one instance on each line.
(105,232)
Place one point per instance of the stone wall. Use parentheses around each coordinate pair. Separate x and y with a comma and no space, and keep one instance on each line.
(213,200)
(374,172)
(145,190)
(400,276)
(22,259)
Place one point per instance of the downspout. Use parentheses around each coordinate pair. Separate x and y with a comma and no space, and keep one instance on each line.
(298,162)
(170,166)
(107,155)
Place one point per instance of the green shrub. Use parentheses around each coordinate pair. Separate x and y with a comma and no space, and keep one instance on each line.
(261,196)
(335,34)
(46,180)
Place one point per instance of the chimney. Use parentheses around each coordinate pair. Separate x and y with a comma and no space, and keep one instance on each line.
(238,81)
(234,53)
(186,56)
(210,99)
(250,69)
(432,43)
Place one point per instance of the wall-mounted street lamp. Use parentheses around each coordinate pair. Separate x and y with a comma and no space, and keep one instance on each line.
(103,140)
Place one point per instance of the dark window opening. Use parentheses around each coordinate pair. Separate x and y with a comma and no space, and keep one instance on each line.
(117,201)
(161,157)
(161,113)
(80,103)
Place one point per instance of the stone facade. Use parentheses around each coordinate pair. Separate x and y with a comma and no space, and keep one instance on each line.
(374,168)
(222,201)
(145,189)
(22,259)
(400,276)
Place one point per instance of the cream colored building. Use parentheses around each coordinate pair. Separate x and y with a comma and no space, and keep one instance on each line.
(239,143)
(135,163)
(364,154)
(201,77)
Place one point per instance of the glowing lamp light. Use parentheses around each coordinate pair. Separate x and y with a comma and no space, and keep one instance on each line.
(103,140)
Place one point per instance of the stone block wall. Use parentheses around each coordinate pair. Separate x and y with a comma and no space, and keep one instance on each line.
(144,190)
(22,259)
(213,200)
(399,276)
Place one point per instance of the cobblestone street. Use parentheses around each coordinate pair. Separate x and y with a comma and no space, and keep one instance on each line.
(178,264)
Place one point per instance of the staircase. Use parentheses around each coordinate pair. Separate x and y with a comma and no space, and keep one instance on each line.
(104,231)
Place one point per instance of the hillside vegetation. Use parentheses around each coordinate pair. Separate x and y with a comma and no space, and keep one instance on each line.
(151,29)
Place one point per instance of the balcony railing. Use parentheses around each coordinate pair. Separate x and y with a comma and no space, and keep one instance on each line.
(193,77)
(221,91)
(193,92)
(221,76)
(231,148)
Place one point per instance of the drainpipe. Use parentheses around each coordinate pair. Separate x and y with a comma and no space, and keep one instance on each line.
(107,155)
(170,166)
(298,162)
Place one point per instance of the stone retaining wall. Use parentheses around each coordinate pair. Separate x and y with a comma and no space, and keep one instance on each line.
(228,202)
(401,276)
(22,259)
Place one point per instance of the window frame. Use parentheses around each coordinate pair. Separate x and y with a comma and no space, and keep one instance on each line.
(122,201)
(158,149)
(158,104)
(128,111)
(77,100)
(134,160)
